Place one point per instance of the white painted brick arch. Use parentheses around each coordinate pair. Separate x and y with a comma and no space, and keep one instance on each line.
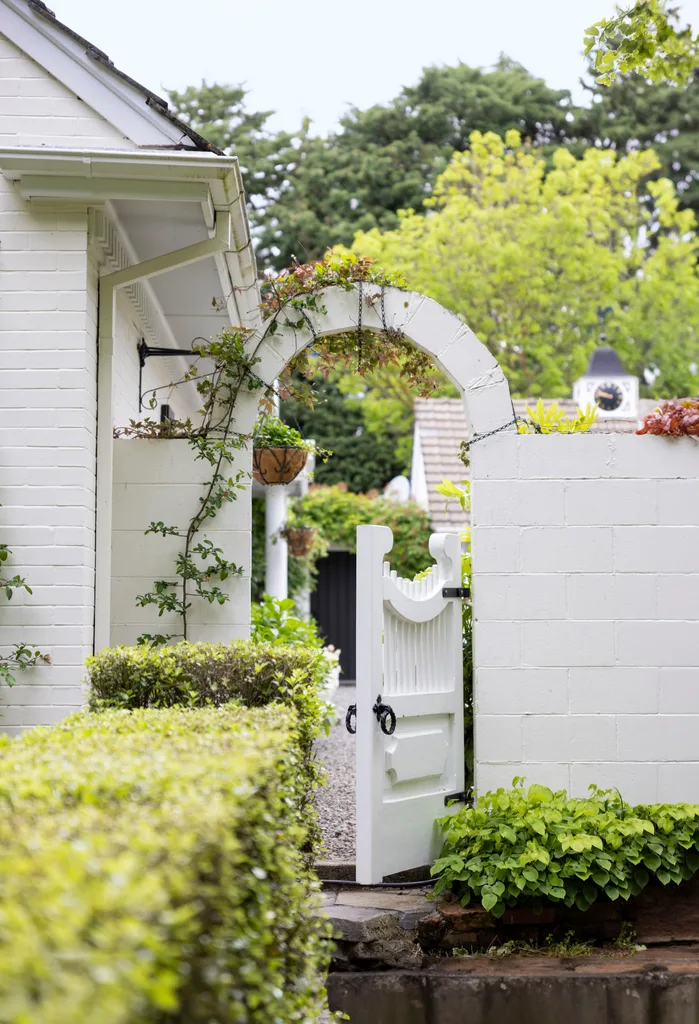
(452,345)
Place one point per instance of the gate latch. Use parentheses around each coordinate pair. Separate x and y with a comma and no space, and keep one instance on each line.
(460,797)
(385,716)
(460,592)
(351,719)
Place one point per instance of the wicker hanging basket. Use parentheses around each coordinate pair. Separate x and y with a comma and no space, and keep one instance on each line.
(277,465)
(300,539)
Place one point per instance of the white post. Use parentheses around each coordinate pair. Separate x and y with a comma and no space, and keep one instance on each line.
(373,544)
(276,550)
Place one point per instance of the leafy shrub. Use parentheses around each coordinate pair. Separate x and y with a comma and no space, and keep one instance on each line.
(337,513)
(675,418)
(150,872)
(274,623)
(196,675)
(518,846)
(554,420)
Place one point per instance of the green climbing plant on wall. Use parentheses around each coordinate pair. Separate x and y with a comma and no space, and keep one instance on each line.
(200,567)
(21,655)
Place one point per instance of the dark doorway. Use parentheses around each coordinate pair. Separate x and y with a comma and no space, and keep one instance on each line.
(333,606)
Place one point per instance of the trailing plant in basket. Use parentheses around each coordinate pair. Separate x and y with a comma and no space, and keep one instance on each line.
(270,432)
(536,845)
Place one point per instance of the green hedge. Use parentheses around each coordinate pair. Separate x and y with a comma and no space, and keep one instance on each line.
(197,675)
(150,872)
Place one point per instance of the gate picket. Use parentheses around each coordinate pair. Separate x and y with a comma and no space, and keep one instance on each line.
(408,653)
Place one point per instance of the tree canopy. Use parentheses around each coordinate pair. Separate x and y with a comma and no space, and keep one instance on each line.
(310,193)
(644,38)
(529,258)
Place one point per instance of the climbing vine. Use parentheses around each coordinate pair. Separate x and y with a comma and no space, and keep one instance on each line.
(22,656)
(297,289)
(288,300)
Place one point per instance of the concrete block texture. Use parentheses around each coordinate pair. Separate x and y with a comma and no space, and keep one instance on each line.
(47,432)
(161,481)
(605,591)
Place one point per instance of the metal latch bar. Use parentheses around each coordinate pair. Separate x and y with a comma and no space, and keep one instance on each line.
(460,592)
(461,797)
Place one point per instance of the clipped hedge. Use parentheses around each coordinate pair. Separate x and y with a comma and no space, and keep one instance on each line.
(200,674)
(530,846)
(195,675)
(150,872)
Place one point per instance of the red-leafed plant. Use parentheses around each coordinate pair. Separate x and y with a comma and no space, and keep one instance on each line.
(676,418)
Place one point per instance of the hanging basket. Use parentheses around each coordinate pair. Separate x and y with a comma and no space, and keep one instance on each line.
(300,539)
(277,465)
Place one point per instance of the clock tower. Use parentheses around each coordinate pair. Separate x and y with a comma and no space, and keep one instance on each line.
(615,392)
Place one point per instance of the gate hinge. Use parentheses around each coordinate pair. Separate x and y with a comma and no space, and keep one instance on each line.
(460,592)
(461,797)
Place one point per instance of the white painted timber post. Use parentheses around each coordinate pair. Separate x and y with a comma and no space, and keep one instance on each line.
(373,544)
(276,548)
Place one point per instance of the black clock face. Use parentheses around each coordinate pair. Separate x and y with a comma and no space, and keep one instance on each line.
(609,396)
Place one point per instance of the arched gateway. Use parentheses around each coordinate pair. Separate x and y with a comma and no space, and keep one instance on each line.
(409,710)
(452,345)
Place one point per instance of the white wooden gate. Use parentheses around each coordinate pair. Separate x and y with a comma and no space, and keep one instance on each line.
(409,657)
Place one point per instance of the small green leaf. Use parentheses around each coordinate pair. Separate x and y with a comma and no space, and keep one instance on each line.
(489,901)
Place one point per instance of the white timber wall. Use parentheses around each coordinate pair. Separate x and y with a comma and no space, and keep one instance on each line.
(160,481)
(586,609)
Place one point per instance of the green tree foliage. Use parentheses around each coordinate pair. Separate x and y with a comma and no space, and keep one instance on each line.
(528,258)
(634,113)
(310,193)
(645,38)
(388,157)
(360,458)
(218,112)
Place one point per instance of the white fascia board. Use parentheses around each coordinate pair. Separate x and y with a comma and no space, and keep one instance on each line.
(52,186)
(101,175)
(115,100)
(237,268)
(115,163)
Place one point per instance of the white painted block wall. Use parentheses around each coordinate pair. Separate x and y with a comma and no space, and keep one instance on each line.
(47,451)
(38,110)
(586,608)
(160,481)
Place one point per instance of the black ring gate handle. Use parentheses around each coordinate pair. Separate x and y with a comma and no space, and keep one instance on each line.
(385,716)
(351,714)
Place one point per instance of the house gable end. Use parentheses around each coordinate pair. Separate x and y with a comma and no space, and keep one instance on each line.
(36,109)
(132,115)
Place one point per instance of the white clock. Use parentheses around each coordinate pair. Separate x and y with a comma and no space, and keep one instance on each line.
(606,385)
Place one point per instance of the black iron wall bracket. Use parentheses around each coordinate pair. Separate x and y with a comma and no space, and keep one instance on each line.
(145,351)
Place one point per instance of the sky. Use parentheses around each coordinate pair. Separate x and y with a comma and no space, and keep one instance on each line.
(316,60)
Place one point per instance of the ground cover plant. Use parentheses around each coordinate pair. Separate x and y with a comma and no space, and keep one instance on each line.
(150,871)
(534,845)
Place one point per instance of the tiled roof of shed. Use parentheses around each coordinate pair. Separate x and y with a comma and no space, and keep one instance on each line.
(442,427)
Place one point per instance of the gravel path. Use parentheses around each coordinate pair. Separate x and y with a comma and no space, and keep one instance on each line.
(336,807)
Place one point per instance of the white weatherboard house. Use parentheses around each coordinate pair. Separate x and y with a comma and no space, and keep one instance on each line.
(122,232)
(119,226)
